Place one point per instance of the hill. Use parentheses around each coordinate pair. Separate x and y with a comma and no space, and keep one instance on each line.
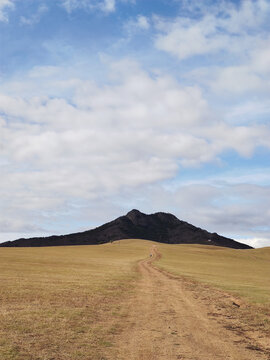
(159,227)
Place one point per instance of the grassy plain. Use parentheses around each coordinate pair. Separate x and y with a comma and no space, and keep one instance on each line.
(64,302)
(59,303)
(243,272)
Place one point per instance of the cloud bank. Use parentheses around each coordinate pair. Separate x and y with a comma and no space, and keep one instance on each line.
(164,114)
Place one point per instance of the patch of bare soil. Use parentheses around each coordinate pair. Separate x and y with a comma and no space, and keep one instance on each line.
(173,318)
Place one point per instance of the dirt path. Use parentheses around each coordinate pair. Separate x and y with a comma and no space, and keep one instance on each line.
(166,321)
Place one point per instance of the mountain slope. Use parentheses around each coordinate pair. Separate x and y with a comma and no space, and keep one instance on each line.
(160,227)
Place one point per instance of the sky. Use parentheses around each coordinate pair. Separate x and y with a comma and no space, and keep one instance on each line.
(110,105)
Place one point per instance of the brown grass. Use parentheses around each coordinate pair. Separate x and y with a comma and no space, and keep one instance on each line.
(64,302)
(243,272)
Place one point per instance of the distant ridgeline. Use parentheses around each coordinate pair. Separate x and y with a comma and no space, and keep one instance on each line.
(160,227)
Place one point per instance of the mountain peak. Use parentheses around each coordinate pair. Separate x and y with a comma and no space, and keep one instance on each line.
(134,214)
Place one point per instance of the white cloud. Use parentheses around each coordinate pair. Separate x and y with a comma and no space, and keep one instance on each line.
(140,22)
(250,77)
(234,42)
(186,38)
(238,80)
(104,5)
(143,22)
(35,18)
(260,57)
(107,6)
(248,110)
(71,5)
(224,28)
(16,225)
(4,6)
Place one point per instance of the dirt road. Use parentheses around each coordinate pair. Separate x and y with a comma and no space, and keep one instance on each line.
(168,321)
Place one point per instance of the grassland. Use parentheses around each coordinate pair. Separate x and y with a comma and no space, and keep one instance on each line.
(64,302)
(243,272)
(60,303)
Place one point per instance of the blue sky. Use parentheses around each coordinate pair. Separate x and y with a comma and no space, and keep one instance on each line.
(108,105)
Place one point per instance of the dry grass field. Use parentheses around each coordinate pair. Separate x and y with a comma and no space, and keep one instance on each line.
(60,303)
(64,302)
(243,272)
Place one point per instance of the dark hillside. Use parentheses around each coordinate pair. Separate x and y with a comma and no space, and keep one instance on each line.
(160,227)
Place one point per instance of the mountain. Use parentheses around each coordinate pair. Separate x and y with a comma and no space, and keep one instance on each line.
(160,227)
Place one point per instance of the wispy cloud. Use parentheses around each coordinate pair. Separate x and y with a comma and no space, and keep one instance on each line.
(139,23)
(106,6)
(35,18)
(5,5)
